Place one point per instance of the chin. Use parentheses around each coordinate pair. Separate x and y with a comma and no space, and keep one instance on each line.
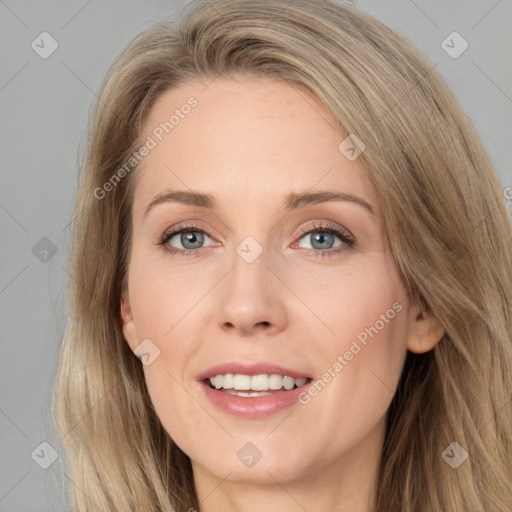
(255,462)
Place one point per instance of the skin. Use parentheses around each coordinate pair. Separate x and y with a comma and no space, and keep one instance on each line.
(249,142)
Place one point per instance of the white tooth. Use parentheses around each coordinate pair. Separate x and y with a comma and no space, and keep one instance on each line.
(288,383)
(246,395)
(228,381)
(237,393)
(219,380)
(241,382)
(275,381)
(259,382)
(241,393)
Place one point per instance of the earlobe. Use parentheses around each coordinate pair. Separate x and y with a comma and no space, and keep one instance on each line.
(425,330)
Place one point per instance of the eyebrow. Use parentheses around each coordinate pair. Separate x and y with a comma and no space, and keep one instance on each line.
(292,201)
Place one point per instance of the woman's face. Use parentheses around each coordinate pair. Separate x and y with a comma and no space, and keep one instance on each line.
(268,277)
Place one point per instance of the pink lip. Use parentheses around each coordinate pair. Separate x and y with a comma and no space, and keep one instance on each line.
(251,369)
(251,407)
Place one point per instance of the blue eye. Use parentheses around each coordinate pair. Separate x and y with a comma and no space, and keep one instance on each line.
(323,235)
(192,237)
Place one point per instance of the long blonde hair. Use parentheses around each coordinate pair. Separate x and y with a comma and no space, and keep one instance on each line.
(443,212)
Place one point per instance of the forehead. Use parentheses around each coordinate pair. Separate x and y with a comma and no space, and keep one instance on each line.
(246,139)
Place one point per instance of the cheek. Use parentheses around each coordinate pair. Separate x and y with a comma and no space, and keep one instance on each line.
(363,357)
(365,302)
(164,306)
(162,294)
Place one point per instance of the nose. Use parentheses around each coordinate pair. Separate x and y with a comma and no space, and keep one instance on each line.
(250,299)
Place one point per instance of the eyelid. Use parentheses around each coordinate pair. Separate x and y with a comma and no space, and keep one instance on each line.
(329,225)
(184,226)
(343,234)
(191,225)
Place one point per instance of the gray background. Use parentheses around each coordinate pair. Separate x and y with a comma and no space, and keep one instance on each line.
(44,107)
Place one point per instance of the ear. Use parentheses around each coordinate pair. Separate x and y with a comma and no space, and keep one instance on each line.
(425,330)
(129,329)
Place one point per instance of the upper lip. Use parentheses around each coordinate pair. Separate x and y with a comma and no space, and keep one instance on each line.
(251,369)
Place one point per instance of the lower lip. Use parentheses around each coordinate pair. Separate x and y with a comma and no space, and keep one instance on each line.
(252,407)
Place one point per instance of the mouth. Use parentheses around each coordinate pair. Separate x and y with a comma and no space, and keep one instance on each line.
(253,386)
(252,390)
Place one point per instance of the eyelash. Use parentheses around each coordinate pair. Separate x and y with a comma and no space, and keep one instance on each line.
(343,234)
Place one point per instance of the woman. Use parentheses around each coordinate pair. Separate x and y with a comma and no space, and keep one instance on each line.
(258,366)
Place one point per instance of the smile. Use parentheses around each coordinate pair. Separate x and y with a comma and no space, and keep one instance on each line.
(254,385)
